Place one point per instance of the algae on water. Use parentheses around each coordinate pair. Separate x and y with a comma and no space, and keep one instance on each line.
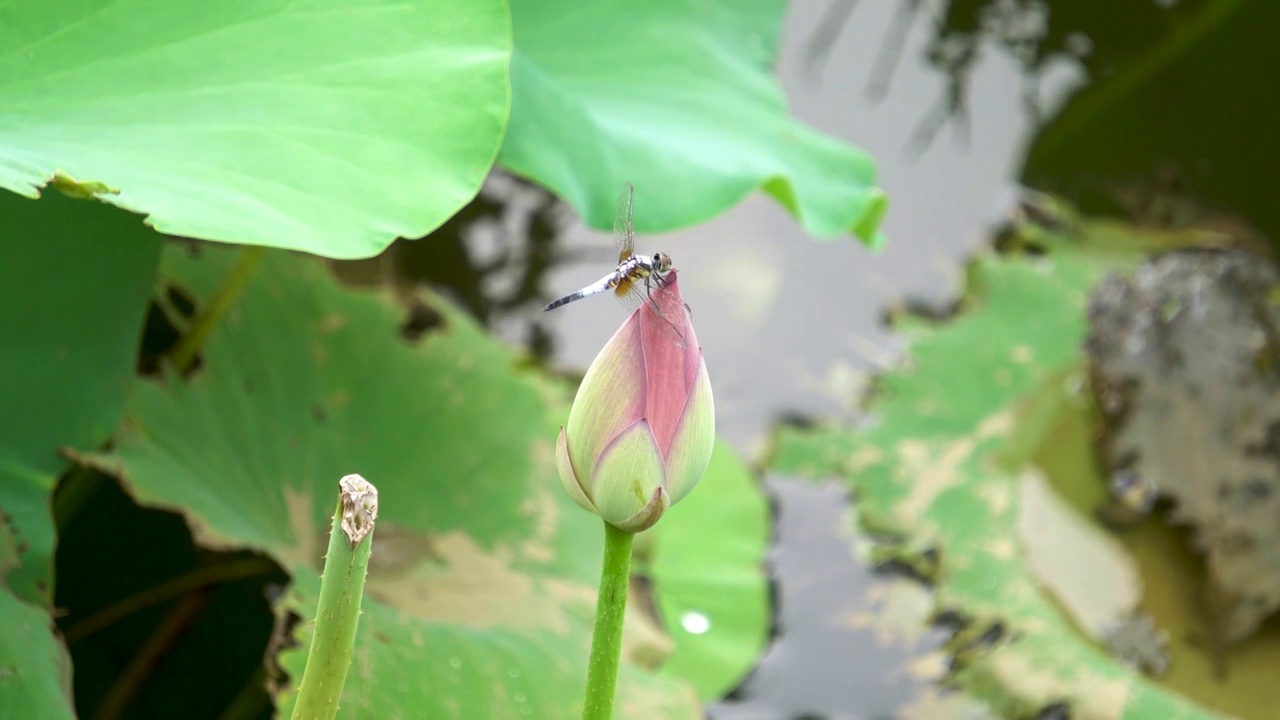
(1185,361)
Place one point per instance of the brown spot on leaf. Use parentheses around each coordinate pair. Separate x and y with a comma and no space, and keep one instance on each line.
(309,537)
(451,579)
(1091,694)
(320,354)
(333,322)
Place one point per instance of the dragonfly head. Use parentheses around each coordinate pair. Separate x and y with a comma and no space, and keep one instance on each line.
(662,262)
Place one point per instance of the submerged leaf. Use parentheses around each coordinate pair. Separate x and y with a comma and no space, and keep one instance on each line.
(1184,357)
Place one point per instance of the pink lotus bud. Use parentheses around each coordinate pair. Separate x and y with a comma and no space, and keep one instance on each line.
(642,426)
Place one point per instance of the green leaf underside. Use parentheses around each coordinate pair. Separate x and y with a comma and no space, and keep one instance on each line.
(934,469)
(709,577)
(679,98)
(70,334)
(482,581)
(329,126)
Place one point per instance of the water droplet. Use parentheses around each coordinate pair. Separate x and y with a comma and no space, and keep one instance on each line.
(513,672)
(519,697)
(455,663)
(695,623)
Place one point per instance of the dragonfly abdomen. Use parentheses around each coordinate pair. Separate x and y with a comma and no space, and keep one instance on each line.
(564,300)
(599,287)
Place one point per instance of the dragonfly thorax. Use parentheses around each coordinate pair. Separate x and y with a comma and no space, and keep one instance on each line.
(644,265)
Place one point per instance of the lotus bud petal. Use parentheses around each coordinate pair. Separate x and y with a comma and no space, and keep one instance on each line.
(642,426)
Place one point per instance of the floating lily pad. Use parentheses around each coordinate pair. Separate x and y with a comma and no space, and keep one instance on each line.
(709,577)
(483,578)
(330,126)
(944,465)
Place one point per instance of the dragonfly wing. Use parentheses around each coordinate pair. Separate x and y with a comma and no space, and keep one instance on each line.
(665,305)
(623,233)
(630,293)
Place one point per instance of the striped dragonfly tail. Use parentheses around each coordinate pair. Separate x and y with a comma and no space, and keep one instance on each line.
(564,300)
(595,288)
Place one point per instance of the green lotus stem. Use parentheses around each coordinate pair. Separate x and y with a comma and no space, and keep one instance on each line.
(606,638)
(341,587)
(184,353)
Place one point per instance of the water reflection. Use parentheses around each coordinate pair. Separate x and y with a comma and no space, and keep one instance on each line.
(833,612)
(893,77)
(790,327)
(491,258)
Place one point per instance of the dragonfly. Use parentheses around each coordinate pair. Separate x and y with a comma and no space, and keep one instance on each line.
(638,279)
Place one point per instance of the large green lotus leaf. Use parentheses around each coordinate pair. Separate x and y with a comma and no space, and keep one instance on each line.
(708,571)
(35,672)
(331,126)
(483,579)
(945,465)
(74,282)
(677,97)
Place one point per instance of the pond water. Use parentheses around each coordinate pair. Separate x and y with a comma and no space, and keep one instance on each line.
(792,327)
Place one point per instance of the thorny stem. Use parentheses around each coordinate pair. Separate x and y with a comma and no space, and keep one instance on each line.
(341,588)
(606,637)
(184,353)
